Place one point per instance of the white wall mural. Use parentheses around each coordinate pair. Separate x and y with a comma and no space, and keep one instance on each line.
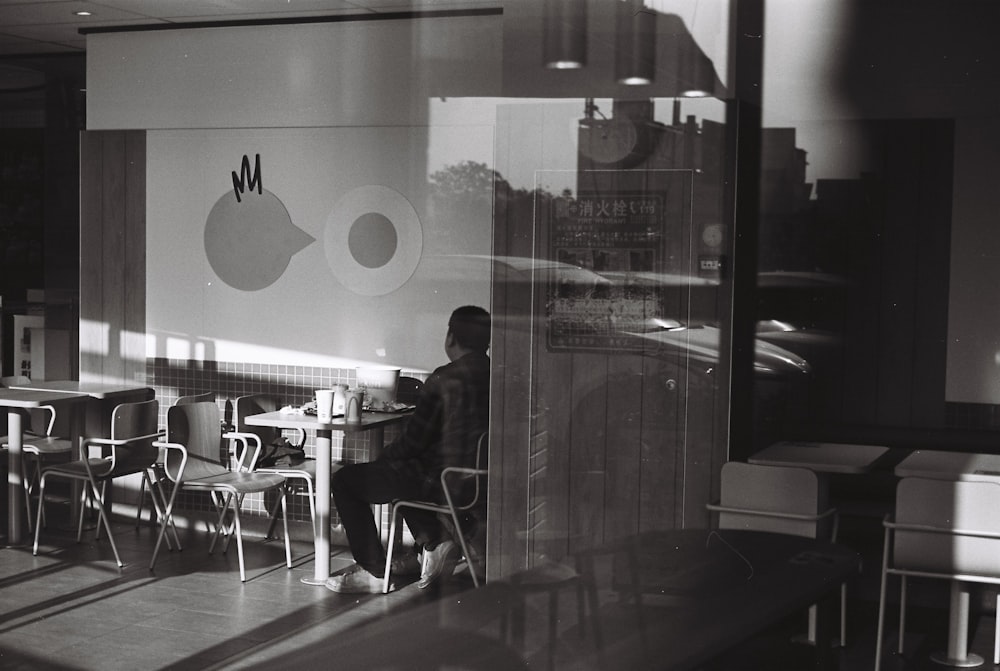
(322,247)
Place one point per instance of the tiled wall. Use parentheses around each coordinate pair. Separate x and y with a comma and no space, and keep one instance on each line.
(291,385)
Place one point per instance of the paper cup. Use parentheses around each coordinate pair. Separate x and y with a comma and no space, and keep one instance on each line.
(324,405)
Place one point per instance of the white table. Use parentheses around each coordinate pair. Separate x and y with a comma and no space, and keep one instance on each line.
(821,457)
(102,397)
(15,399)
(943,465)
(370,421)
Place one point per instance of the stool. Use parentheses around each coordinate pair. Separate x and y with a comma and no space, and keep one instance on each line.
(551,577)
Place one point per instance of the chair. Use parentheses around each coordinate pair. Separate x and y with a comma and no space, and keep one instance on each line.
(130,450)
(942,529)
(298,476)
(192,463)
(408,390)
(783,500)
(468,498)
(157,475)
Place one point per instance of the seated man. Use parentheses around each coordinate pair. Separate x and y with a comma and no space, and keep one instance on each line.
(451,412)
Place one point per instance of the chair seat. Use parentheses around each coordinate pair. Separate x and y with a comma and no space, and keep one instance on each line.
(303,469)
(48,445)
(99,467)
(241,482)
(30,438)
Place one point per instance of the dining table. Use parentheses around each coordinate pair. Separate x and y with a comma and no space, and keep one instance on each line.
(371,421)
(821,457)
(826,459)
(950,465)
(101,399)
(104,396)
(16,400)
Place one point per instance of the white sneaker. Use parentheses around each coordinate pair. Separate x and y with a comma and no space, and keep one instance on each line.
(438,562)
(357,581)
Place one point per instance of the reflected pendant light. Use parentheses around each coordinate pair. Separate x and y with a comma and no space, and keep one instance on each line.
(564,39)
(635,44)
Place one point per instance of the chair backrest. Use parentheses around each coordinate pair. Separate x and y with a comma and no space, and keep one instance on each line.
(197,427)
(775,489)
(254,404)
(469,493)
(950,505)
(408,389)
(135,420)
(195,398)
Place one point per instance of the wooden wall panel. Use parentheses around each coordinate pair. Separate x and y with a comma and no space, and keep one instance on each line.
(112,255)
(133,342)
(91,253)
(112,267)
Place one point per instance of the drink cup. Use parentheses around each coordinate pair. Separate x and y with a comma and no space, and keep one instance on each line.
(324,405)
(355,401)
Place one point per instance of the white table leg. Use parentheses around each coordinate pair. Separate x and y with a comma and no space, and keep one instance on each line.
(77,429)
(958,654)
(15,489)
(321,563)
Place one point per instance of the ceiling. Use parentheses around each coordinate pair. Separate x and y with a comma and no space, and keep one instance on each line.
(53,27)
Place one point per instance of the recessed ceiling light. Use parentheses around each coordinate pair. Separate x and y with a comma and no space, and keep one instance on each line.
(83,13)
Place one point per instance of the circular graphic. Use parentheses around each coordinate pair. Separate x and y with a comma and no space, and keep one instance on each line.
(250,240)
(372,240)
(362,252)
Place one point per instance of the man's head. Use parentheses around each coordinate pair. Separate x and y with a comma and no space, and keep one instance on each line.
(468,331)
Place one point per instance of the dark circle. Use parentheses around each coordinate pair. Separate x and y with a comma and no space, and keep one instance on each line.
(372,240)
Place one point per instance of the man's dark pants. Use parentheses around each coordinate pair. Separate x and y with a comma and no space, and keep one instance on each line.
(356,487)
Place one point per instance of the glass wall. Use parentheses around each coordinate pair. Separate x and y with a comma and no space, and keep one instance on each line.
(613,249)
(880,125)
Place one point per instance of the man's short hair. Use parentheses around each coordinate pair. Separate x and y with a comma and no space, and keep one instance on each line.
(471,327)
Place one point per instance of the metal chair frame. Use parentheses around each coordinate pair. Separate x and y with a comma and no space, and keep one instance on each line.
(448,508)
(139,416)
(195,468)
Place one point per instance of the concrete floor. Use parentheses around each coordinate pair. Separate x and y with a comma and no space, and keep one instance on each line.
(72,608)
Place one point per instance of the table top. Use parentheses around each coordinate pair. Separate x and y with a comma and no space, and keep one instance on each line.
(288,420)
(15,397)
(98,390)
(821,457)
(944,465)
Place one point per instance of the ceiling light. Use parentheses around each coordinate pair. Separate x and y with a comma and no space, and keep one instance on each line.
(565,34)
(82,12)
(635,57)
